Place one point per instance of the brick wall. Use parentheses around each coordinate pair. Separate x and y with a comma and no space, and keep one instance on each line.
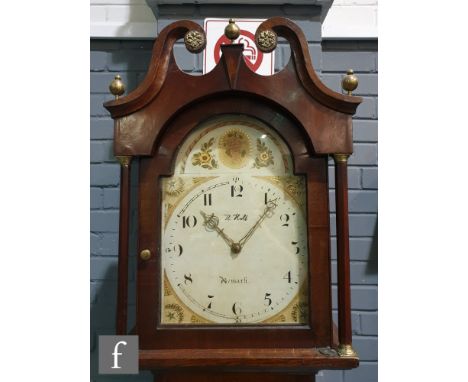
(337,56)
(130,58)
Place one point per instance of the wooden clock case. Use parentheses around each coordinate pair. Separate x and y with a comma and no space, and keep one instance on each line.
(151,123)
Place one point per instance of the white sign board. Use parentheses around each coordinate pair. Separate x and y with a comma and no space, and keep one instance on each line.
(256,60)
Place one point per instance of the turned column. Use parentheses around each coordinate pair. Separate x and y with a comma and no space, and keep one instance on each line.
(342,242)
(124,214)
(117,88)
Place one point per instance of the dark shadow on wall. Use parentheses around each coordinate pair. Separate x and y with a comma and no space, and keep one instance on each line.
(372,263)
(103,323)
(103,308)
(102,316)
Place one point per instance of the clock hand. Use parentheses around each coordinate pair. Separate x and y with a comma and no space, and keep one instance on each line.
(271,205)
(211,222)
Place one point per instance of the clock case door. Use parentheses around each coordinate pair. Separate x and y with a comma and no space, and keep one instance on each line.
(153,121)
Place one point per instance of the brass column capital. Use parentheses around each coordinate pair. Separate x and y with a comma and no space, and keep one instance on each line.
(124,160)
(342,158)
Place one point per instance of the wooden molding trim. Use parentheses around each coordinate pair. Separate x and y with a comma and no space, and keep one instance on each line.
(248,358)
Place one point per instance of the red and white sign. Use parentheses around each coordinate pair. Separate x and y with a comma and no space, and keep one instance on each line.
(256,60)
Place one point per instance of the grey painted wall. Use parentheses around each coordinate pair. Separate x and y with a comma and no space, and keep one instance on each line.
(331,59)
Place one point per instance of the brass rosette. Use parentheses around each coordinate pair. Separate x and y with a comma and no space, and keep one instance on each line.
(266,40)
(195,41)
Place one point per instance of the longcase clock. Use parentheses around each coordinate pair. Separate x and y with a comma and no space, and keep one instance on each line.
(234,270)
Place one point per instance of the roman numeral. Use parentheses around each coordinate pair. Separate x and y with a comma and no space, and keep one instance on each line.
(207,199)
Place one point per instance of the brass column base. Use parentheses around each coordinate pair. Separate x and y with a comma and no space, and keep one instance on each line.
(347,351)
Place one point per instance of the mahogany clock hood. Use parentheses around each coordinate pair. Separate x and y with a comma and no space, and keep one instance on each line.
(296,91)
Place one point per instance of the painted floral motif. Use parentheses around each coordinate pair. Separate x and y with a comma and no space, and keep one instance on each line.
(234,148)
(174,186)
(173,313)
(195,319)
(276,319)
(264,156)
(294,186)
(205,157)
(167,288)
(299,312)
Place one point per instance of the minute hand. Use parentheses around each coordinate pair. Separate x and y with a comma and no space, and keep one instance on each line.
(270,207)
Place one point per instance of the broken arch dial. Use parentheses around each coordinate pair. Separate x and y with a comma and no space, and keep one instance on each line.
(234,243)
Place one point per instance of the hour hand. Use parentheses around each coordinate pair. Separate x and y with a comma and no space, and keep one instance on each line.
(267,212)
(212,224)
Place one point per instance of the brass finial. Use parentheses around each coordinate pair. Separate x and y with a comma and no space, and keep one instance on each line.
(232,31)
(349,82)
(117,87)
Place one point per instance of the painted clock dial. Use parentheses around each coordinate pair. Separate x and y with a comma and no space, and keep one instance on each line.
(234,237)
